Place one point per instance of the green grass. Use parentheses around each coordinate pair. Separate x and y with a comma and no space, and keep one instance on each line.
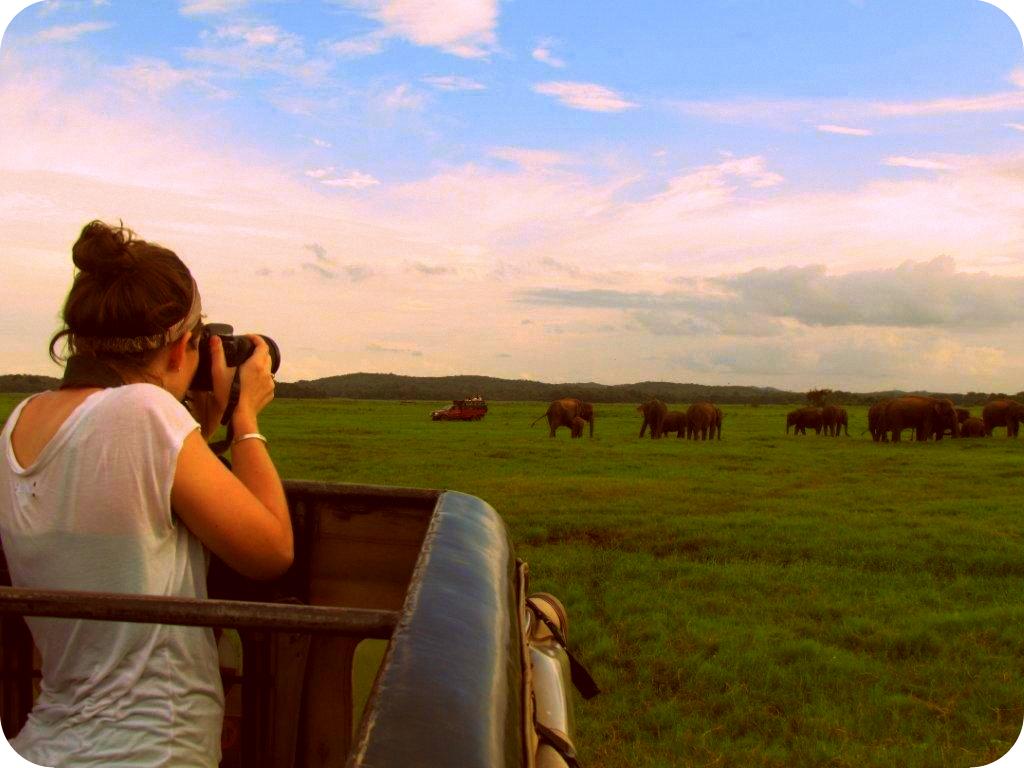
(766,600)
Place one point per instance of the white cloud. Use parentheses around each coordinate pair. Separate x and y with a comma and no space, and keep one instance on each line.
(845,131)
(257,35)
(71,32)
(783,113)
(454,83)
(1015,126)
(543,54)
(351,180)
(156,77)
(919,163)
(1017,77)
(464,28)
(357,47)
(204,7)
(586,96)
(401,97)
(321,143)
(531,158)
(995,102)
(320,173)
(245,49)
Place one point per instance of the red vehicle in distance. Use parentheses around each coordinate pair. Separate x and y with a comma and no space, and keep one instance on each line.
(470,409)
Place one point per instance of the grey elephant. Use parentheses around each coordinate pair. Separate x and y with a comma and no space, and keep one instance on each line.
(675,421)
(927,416)
(973,427)
(802,418)
(834,420)
(577,426)
(701,419)
(1003,413)
(561,413)
(654,414)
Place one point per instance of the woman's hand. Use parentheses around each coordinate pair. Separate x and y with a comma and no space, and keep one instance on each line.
(256,387)
(208,407)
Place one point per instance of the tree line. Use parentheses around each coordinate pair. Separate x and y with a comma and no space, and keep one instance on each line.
(390,386)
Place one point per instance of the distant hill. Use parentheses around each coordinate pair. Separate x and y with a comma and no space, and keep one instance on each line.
(390,386)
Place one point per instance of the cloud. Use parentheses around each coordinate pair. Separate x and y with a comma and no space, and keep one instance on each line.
(357,47)
(356,272)
(319,270)
(321,143)
(320,252)
(464,28)
(156,77)
(209,7)
(1017,77)
(453,83)
(844,131)
(1015,126)
(531,158)
(375,347)
(836,113)
(401,97)
(995,102)
(71,32)
(351,180)
(543,54)
(919,163)
(431,270)
(921,295)
(51,7)
(586,96)
(246,49)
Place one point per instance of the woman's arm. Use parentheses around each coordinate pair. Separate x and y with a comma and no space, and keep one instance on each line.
(241,517)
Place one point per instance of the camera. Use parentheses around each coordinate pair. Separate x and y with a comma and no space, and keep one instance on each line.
(237,349)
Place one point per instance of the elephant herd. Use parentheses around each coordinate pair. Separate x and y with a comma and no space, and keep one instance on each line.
(831,419)
(928,417)
(701,421)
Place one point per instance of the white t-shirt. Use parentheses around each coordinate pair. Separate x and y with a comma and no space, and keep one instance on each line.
(93,513)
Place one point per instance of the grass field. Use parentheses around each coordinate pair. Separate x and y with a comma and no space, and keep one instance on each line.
(766,600)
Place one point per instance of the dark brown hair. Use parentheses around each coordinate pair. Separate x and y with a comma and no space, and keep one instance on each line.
(124,287)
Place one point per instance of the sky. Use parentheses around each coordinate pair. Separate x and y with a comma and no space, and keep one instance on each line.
(773,193)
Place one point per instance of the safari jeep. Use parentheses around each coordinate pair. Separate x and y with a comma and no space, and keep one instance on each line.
(403,635)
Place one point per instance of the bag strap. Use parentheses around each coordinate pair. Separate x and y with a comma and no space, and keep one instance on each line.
(581,678)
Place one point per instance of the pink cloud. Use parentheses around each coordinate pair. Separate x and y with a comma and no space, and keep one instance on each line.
(586,96)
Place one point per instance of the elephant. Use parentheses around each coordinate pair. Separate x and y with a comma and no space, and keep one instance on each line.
(962,415)
(577,426)
(701,419)
(1003,413)
(876,422)
(927,416)
(561,413)
(654,413)
(973,427)
(716,427)
(675,421)
(833,419)
(803,418)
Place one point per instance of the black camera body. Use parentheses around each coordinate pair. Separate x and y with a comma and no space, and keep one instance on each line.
(237,350)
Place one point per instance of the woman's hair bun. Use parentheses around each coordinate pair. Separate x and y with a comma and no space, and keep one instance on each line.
(104,250)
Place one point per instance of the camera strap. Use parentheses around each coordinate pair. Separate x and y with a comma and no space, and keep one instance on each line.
(229,410)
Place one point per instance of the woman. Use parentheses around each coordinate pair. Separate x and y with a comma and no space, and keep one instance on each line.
(109,486)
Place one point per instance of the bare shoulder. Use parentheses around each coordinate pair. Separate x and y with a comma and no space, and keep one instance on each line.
(40,419)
